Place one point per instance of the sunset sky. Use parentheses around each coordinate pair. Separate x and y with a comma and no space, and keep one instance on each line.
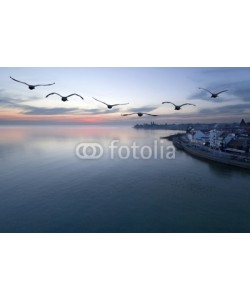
(143,88)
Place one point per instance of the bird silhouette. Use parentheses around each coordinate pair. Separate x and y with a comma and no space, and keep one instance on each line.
(63,98)
(214,95)
(109,105)
(30,86)
(140,114)
(178,107)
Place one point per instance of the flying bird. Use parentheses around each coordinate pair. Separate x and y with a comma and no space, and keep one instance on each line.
(32,87)
(109,105)
(140,114)
(178,107)
(64,98)
(214,95)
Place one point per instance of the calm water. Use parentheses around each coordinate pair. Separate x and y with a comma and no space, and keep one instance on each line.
(45,187)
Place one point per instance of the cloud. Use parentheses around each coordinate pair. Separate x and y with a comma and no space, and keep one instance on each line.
(6,97)
(29,110)
(227,113)
(97,111)
(241,90)
(7,101)
(228,109)
(147,108)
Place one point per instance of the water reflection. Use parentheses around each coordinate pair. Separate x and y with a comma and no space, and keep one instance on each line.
(46,188)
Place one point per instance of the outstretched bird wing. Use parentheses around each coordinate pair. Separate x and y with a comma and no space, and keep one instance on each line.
(53,94)
(187,104)
(206,90)
(128,114)
(150,115)
(120,104)
(168,102)
(45,84)
(75,95)
(19,81)
(100,101)
(221,92)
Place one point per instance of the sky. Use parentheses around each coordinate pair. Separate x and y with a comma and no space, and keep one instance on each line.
(144,88)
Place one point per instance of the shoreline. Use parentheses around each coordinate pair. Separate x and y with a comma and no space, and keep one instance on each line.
(181,143)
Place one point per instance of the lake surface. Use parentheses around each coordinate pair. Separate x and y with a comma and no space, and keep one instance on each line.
(46,187)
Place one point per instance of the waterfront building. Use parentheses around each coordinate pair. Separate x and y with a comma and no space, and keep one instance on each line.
(228,138)
(199,137)
(215,139)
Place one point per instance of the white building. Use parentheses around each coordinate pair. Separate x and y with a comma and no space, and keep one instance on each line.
(200,137)
(228,138)
(215,140)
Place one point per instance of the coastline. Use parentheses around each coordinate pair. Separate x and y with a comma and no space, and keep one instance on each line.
(181,142)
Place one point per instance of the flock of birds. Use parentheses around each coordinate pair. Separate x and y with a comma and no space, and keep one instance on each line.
(109,106)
